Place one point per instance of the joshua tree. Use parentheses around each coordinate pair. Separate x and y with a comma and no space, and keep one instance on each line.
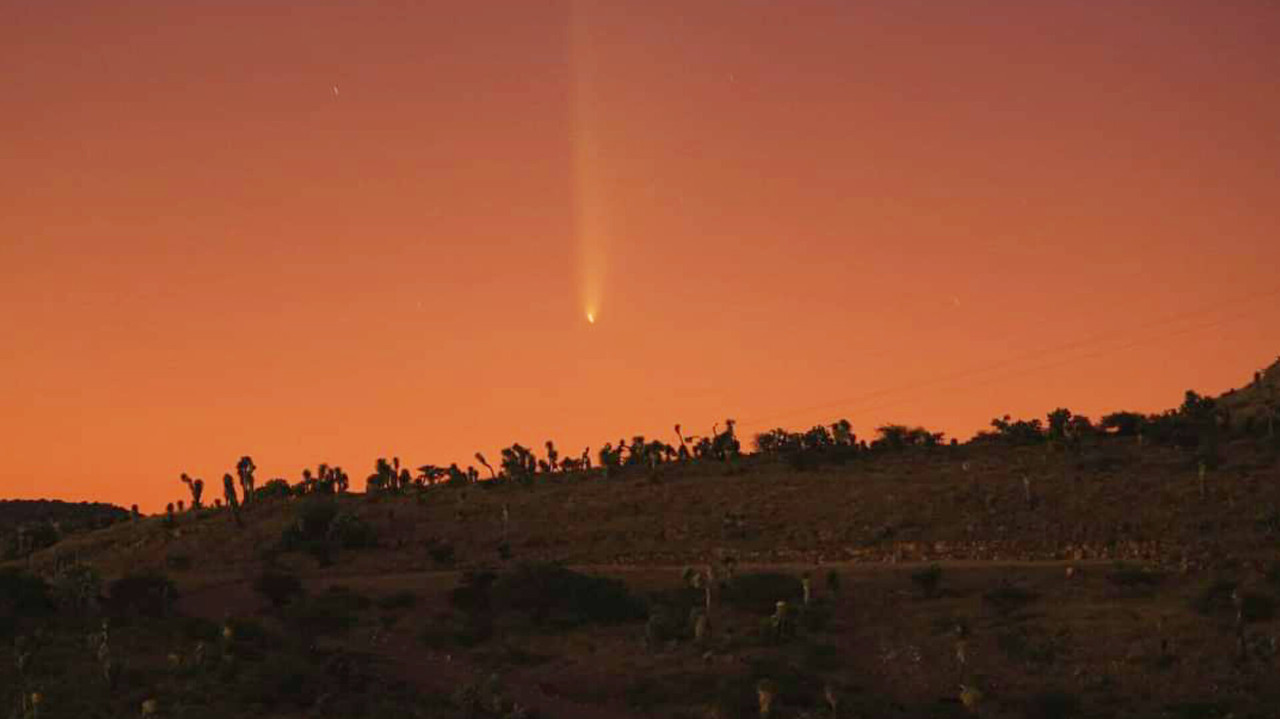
(134,514)
(553,456)
(244,469)
(429,474)
(229,491)
(480,458)
(197,489)
(168,511)
(181,507)
(842,433)
(519,463)
(725,445)
(683,452)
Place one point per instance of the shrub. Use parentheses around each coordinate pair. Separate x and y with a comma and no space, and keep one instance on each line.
(332,612)
(442,553)
(927,580)
(278,587)
(274,489)
(1008,598)
(400,600)
(148,594)
(352,532)
(761,591)
(1133,578)
(22,595)
(1053,705)
(556,595)
(1214,599)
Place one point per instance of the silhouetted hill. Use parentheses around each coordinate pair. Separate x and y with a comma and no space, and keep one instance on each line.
(45,521)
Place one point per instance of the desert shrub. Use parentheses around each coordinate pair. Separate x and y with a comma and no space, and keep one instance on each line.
(1134,579)
(1214,599)
(666,623)
(332,612)
(279,587)
(474,592)
(928,580)
(820,658)
(1008,598)
(833,581)
(148,594)
(22,595)
(442,553)
(400,600)
(1053,705)
(759,592)
(1028,646)
(274,489)
(352,532)
(801,460)
(553,594)
(178,562)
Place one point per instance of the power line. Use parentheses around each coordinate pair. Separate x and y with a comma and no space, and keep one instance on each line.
(1100,338)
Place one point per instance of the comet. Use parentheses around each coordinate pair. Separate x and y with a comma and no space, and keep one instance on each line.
(591,317)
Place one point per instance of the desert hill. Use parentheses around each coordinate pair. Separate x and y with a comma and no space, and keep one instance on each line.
(1119,567)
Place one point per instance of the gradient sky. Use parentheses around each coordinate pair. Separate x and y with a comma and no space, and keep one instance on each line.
(778,210)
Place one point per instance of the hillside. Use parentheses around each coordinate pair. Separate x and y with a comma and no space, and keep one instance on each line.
(43,522)
(1092,574)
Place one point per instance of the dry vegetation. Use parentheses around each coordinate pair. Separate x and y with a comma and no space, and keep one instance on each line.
(1108,576)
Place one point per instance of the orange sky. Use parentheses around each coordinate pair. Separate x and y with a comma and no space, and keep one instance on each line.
(779,208)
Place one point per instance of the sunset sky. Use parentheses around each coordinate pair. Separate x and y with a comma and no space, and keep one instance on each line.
(332,231)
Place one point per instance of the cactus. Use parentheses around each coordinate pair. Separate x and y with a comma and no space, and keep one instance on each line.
(806,584)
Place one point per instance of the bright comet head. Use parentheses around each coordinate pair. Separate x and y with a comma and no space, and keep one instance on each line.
(591,317)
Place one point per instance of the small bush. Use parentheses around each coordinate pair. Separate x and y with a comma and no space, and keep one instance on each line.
(331,613)
(22,595)
(761,591)
(552,594)
(442,553)
(148,594)
(1053,705)
(400,600)
(1008,598)
(351,532)
(927,580)
(278,587)
(1138,579)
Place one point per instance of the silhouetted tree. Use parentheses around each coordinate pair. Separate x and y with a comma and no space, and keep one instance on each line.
(683,452)
(519,463)
(429,474)
(1018,431)
(245,468)
(553,457)
(1123,424)
(196,486)
(229,491)
(842,433)
(480,458)
(897,436)
(724,445)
